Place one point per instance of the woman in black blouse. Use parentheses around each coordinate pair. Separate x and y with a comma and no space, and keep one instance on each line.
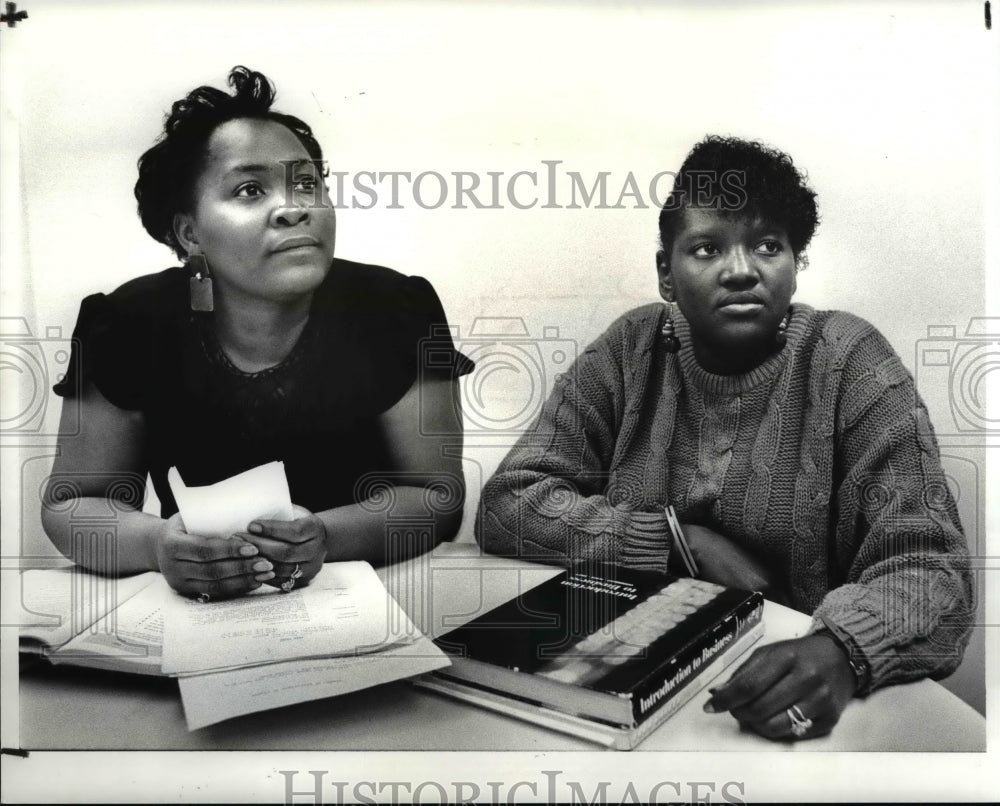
(264,347)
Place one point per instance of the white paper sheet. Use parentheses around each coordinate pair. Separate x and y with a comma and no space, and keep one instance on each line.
(227,507)
(346,610)
(211,698)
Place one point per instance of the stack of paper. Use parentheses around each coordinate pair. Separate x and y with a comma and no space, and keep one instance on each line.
(343,632)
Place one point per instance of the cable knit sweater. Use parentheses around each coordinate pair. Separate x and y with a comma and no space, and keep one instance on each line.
(821,461)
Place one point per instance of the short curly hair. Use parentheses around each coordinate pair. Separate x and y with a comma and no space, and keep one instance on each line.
(169,171)
(747,179)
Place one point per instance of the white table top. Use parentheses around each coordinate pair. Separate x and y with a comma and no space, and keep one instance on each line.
(72,708)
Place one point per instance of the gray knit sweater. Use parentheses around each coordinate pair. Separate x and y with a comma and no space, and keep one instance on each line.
(821,461)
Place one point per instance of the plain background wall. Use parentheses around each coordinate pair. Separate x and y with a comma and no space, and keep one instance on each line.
(887,106)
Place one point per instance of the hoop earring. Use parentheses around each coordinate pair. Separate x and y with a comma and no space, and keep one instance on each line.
(781,337)
(200,283)
(670,341)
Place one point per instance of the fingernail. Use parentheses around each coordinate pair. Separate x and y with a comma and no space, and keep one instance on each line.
(255,528)
(248,550)
(256,585)
(708,708)
(264,577)
(262,565)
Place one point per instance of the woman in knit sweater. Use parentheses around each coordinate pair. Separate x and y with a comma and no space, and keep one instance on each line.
(791,442)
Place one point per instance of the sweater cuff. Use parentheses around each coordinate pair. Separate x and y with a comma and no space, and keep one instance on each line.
(868,632)
(642,539)
(855,658)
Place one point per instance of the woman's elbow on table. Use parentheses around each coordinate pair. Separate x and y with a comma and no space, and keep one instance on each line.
(54,524)
(97,471)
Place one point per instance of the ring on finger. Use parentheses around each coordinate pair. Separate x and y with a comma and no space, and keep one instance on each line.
(800,722)
(289,583)
(203,598)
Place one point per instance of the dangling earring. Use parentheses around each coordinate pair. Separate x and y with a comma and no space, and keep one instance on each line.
(781,337)
(670,342)
(201,284)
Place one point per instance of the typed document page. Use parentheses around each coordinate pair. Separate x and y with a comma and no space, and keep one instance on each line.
(346,610)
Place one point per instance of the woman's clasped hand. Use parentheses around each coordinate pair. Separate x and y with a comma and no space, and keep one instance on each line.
(296,548)
(268,552)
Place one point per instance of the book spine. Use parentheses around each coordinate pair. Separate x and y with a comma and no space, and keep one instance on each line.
(688,663)
(629,739)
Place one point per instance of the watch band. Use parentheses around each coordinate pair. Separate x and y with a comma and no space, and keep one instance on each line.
(855,657)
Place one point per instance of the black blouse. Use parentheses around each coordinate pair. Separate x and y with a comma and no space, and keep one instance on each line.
(371,333)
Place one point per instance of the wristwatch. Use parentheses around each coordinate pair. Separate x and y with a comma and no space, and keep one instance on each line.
(855,657)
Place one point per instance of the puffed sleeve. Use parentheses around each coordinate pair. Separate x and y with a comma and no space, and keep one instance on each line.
(107,351)
(127,341)
(416,341)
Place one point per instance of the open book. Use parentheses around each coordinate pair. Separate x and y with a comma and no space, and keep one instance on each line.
(342,633)
(71,616)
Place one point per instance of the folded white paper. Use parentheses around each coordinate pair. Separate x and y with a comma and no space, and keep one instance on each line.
(227,507)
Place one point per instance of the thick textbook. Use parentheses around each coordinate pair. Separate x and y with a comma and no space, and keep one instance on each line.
(342,633)
(601,651)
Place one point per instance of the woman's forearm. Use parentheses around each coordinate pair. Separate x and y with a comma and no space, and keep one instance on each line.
(120,542)
(547,518)
(101,538)
(402,522)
